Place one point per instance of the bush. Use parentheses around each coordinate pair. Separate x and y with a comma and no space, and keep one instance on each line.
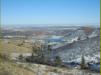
(4,56)
(58,61)
(21,57)
(55,70)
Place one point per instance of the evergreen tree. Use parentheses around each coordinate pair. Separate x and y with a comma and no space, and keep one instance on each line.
(58,61)
(83,65)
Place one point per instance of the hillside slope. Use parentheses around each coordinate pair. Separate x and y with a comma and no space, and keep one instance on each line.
(8,68)
(13,47)
(89,48)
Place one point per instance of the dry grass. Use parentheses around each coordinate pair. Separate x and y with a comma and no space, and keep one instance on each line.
(13,46)
(9,68)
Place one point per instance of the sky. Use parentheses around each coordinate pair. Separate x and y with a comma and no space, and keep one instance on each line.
(37,12)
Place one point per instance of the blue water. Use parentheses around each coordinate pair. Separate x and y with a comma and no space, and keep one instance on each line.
(55,40)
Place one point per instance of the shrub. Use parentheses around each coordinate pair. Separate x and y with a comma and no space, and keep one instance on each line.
(4,56)
(58,61)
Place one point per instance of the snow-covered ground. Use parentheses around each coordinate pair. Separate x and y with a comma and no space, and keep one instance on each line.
(89,46)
